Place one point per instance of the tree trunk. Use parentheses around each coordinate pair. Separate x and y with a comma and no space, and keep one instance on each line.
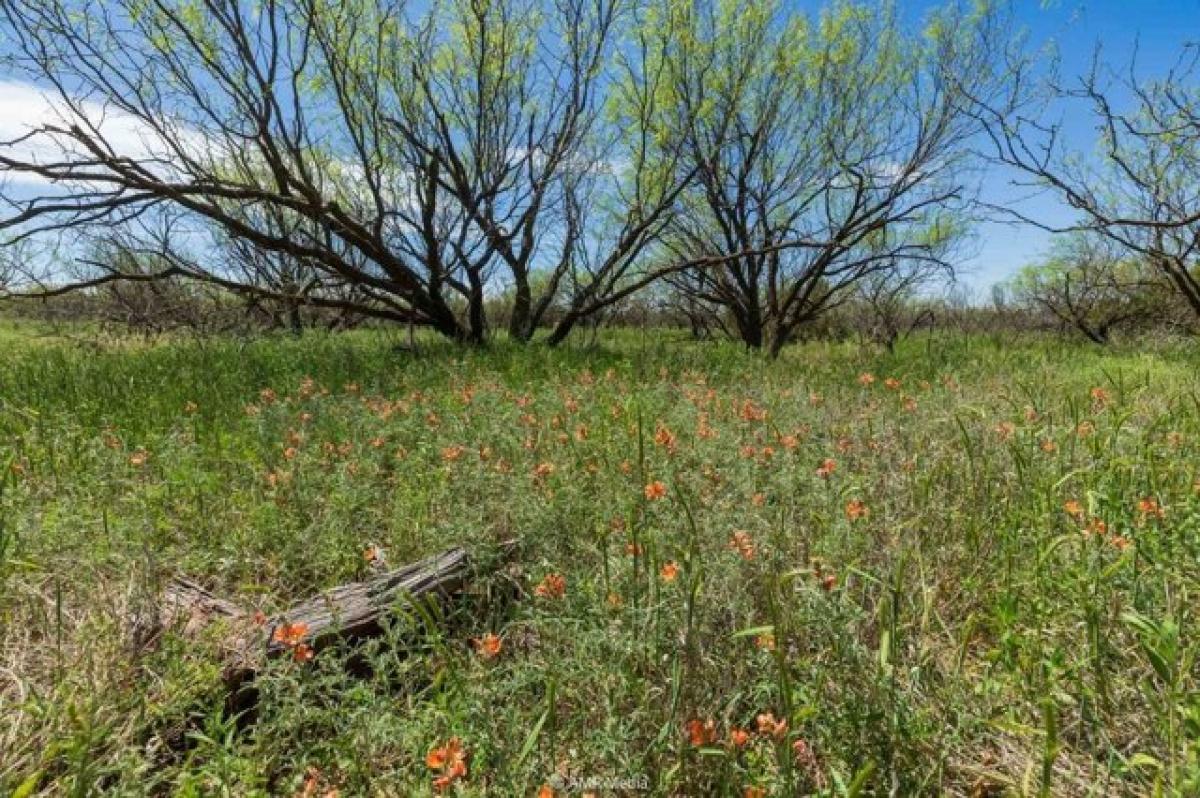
(781,334)
(447,325)
(1178,274)
(519,325)
(778,340)
(564,327)
(476,313)
(295,322)
(749,325)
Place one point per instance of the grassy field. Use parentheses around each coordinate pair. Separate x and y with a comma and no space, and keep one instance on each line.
(968,568)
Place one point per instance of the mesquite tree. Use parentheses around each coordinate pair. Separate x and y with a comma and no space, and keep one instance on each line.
(1140,187)
(1091,284)
(849,140)
(397,159)
(406,160)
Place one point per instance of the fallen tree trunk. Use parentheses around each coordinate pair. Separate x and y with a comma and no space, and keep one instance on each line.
(352,611)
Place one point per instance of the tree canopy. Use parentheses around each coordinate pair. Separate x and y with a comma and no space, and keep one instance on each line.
(408,160)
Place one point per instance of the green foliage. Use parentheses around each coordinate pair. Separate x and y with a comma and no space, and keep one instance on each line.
(1010,608)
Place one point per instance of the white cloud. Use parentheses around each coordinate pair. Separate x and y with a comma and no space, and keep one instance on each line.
(25,107)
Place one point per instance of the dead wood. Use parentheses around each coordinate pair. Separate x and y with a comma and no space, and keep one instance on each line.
(353,611)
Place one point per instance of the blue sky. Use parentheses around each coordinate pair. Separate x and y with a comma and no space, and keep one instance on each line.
(1073,28)
(1158,28)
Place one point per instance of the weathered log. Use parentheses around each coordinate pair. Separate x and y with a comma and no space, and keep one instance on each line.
(348,612)
(355,610)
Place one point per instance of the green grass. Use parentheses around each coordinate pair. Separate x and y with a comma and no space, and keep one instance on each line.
(967,635)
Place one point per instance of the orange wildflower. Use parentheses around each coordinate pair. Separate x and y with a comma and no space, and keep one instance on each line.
(488,646)
(1073,508)
(1099,397)
(290,634)
(866,379)
(856,509)
(754,792)
(139,458)
(450,760)
(742,544)
(655,490)
(546,791)
(752,412)
(669,571)
(701,732)
(1150,508)
(665,438)
(543,470)
(1049,446)
(758,499)
(552,586)
(827,467)
(738,738)
(452,453)
(828,583)
(892,384)
(302,653)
